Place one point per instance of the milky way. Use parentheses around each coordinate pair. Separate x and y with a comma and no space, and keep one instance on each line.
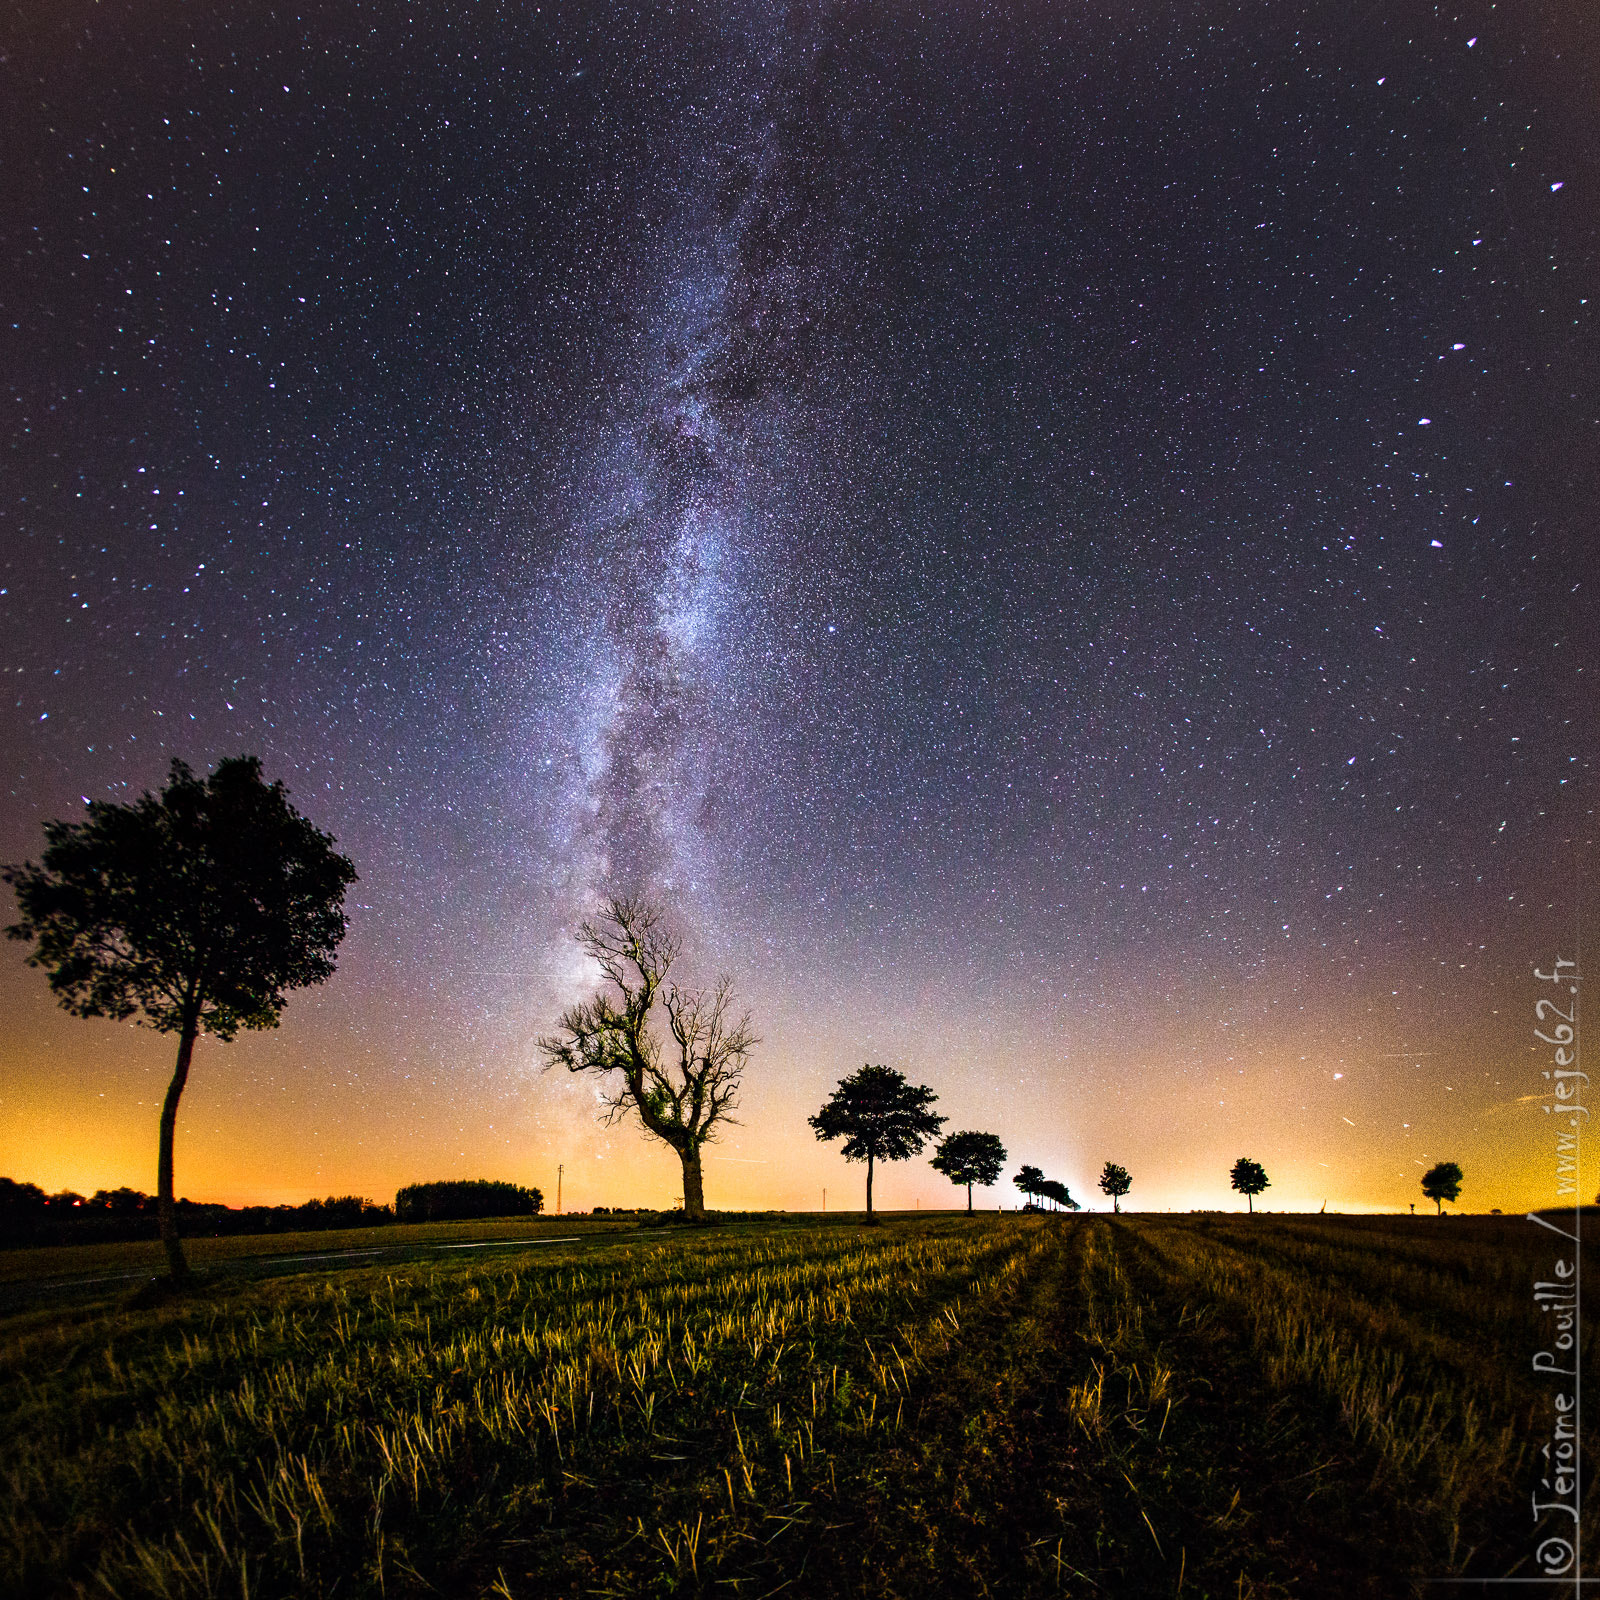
(747,276)
(1058,541)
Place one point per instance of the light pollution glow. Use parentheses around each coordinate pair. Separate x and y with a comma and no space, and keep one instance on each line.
(280,1117)
(1080,596)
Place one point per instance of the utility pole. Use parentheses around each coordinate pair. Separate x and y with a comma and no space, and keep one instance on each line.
(559,1171)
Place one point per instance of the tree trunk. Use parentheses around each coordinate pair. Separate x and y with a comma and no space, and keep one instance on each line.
(694,1194)
(166,1207)
(869,1183)
(969,1199)
(1250,1200)
(1116,1204)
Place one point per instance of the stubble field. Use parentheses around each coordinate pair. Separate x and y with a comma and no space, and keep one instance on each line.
(1095,1406)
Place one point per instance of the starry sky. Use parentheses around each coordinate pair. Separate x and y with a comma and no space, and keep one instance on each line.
(1057,539)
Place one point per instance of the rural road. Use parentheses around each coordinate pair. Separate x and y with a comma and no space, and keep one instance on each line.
(25,1293)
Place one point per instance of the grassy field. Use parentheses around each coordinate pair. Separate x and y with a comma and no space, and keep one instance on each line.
(1136,1406)
(43,1263)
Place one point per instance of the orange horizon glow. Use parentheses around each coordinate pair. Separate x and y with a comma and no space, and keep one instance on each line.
(295,1114)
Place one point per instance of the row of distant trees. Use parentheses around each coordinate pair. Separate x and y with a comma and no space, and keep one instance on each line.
(30,1216)
(681,1082)
(1440,1182)
(684,1091)
(881,1116)
(197,910)
(462,1198)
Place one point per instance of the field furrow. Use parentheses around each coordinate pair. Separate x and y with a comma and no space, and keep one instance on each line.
(936,1407)
(391,1428)
(1429,1417)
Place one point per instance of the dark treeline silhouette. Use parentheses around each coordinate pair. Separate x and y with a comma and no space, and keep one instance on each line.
(464,1198)
(29,1216)
(1033,1183)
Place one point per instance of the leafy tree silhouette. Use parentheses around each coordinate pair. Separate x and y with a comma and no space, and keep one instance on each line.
(1115,1182)
(880,1117)
(1250,1178)
(970,1158)
(1031,1181)
(1442,1182)
(195,909)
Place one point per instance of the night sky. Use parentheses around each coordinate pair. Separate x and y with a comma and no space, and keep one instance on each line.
(1058,539)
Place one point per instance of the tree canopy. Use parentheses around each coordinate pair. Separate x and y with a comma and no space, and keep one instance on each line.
(1031,1181)
(1250,1178)
(680,1092)
(880,1116)
(454,1199)
(1442,1182)
(193,911)
(1114,1181)
(969,1158)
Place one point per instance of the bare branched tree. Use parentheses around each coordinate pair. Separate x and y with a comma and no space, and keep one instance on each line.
(681,1090)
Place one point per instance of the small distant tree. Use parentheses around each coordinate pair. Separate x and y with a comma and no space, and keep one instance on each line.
(1051,1189)
(194,910)
(880,1117)
(970,1158)
(1031,1181)
(1250,1178)
(1115,1182)
(1442,1182)
(682,1092)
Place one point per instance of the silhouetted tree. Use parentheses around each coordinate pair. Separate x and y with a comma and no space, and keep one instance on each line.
(1054,1190)
(1115,1182)
(969,1158)
(1250,1178)
(194,910)
(1031,1181)
(681,1092)
(880,1117)
(1442,1182)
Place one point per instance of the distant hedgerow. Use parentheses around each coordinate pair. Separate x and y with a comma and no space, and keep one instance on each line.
(460,1198)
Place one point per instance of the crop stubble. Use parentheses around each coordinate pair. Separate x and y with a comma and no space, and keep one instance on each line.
(1006,1405)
